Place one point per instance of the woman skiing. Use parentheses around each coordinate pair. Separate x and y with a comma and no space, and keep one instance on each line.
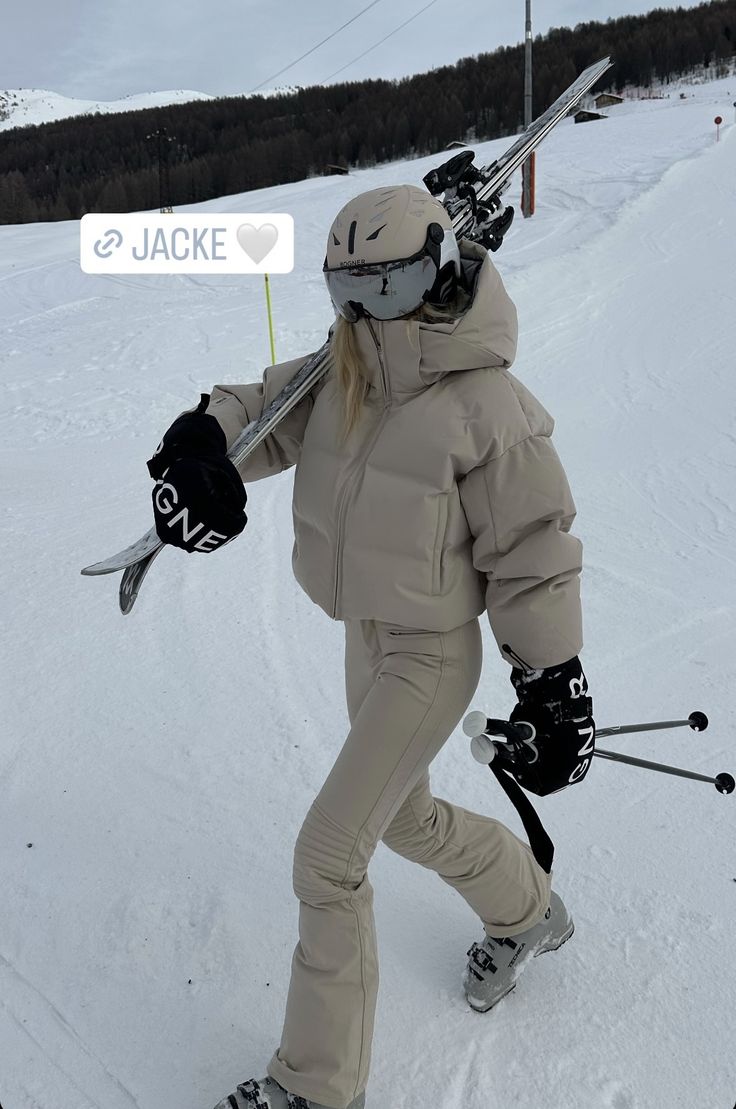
(426,491)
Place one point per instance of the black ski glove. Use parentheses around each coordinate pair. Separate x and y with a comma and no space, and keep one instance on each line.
(554,702)
(199,497)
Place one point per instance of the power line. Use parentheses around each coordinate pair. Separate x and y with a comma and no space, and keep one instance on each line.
(381,41)
(324,40)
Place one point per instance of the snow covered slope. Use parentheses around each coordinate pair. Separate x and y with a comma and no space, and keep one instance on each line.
(161,764)
(22,107)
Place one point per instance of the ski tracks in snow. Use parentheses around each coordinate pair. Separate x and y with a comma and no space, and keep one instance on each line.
(61,1069)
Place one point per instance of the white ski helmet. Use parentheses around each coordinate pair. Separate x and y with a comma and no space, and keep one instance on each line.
(389,251)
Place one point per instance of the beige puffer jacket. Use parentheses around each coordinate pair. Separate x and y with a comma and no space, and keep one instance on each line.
(448,497)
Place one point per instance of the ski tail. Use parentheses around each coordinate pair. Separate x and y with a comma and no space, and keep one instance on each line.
(487,183)
(540,127)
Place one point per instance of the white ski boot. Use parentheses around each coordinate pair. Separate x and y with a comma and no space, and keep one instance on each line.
(267,1094)
(495,964)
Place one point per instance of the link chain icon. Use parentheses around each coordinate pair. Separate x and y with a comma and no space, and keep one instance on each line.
(104,248)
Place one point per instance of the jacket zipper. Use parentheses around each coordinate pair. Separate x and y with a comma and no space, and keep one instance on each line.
(357,465)
(384,375)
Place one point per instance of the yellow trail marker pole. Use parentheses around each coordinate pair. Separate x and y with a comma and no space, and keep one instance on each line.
(270,318)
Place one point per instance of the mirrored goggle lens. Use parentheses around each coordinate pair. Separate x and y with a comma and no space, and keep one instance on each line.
(384,292)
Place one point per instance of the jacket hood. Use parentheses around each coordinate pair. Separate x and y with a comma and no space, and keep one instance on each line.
(417,353)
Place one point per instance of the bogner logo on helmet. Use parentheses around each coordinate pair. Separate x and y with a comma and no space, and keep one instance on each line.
(167,498)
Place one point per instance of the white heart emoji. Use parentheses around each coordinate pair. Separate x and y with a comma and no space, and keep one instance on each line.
(257,242)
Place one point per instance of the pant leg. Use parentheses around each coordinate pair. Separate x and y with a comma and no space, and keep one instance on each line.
(490,867)
(418,686)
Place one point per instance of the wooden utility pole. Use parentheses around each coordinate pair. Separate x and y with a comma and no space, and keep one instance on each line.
(527,171)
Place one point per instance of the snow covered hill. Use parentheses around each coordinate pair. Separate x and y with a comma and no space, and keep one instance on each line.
(156,768)
(23,107)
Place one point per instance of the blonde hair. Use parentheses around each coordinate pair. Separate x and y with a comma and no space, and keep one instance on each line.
(351,377)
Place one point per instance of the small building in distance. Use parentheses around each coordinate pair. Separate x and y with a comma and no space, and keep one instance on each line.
(454,144)
(330,169)
(607,100)
(584,116)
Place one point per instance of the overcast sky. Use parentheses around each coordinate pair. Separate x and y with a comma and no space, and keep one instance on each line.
(104,49)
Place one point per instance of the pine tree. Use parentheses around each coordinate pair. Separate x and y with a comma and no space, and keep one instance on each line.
(16,205)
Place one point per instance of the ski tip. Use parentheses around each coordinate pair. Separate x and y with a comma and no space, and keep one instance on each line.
(95,569)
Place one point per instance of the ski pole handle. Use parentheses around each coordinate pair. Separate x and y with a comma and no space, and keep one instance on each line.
(477,723)
(480,727)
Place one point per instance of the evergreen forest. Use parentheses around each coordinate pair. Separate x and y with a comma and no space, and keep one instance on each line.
(106,163)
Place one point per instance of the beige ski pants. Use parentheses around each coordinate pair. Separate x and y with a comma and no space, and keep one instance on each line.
(406,692)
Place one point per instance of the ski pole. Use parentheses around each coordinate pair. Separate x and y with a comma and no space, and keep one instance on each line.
(696,720)
(724,783)
(481,727)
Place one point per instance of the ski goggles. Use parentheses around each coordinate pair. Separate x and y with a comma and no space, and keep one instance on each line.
(390,290)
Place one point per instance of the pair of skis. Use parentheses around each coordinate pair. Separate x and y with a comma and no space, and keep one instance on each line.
(472,197)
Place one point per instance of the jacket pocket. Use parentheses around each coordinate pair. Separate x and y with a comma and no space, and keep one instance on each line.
(439,544)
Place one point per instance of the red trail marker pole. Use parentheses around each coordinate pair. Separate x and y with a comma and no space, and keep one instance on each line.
(718,122)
